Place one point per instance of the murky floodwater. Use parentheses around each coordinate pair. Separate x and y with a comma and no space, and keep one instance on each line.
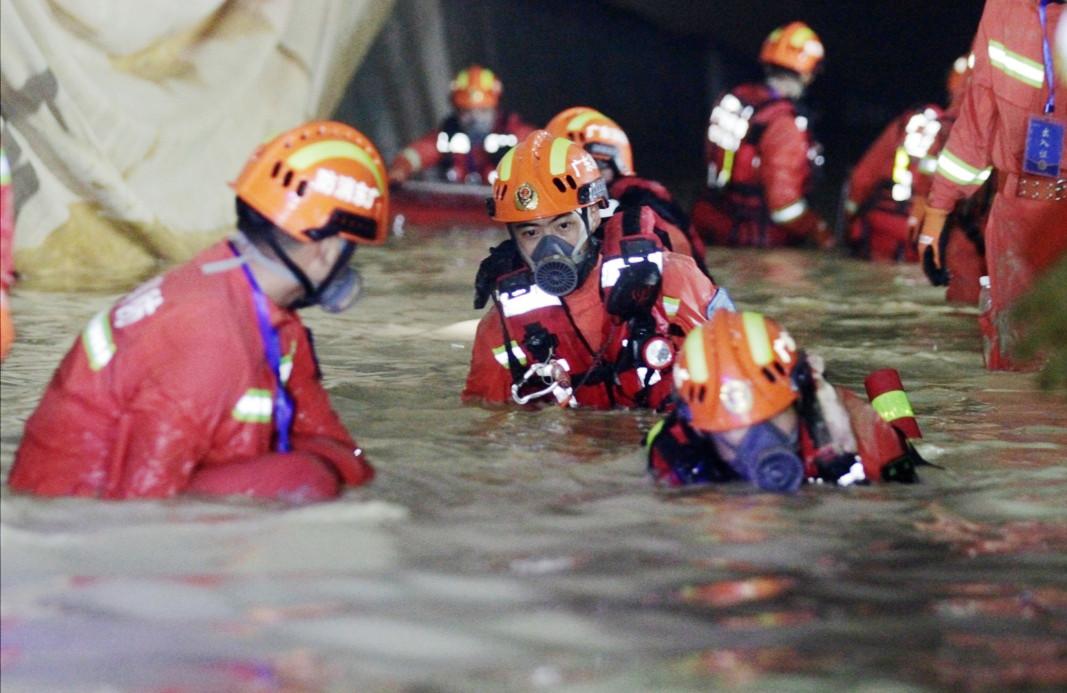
(518,550)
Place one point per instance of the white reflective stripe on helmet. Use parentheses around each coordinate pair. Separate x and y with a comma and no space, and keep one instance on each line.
(98,341)
(532,299)
(501,354)
(610,270)
(789,212)
(255,406)
(1016,66)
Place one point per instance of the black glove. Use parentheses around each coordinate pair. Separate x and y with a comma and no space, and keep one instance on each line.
(938,276)
(502,259)
(636,291)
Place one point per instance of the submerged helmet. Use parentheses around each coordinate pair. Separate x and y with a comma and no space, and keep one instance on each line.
(795,47)
(734,371)
(597,134)
(476,87)
(317,180)
(545,176)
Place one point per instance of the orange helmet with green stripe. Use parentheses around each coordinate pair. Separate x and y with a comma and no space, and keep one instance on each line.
(545,176)
(597,134)
(476,87)
(319,179)
(795,47)
(735,371)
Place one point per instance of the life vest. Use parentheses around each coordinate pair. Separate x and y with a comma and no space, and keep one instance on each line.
(543,342)
(735,129)
(462,155)
(915,156)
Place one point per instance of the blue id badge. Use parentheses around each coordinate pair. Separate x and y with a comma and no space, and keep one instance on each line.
(1044,147)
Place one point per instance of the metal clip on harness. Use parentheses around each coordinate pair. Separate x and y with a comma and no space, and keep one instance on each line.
(555,375)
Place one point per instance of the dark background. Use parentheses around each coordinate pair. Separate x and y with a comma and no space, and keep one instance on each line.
(655,66)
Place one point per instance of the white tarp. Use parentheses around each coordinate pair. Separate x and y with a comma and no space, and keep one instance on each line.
(125,119)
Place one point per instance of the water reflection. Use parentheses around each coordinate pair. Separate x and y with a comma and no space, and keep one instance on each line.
(504,549)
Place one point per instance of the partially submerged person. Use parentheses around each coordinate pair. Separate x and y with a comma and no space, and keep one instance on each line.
(609,146)
(581,316)
(751,406)
(204,380)
(890,183)
(760,153)
(467,146)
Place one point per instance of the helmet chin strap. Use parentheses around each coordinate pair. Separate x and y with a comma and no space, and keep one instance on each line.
(251,253)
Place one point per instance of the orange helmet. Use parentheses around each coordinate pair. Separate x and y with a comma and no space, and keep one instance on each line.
(318,179)
(476,87)
(544,176)
(734,371)
(957,75)
(597,134)
(793,46)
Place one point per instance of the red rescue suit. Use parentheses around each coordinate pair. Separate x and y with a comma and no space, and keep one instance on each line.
(895,169)
(170,391)
(1027,228)
(577,332)
(672,226)
(880,446)
(761,161)
(455,156)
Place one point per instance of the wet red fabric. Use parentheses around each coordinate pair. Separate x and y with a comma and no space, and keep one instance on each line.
(478,161)
(769,174)
(1023,237)
(169,383)
(490,381)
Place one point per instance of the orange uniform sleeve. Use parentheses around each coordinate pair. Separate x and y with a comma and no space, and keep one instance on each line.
(968,152)
(488,381)
(417,156)
(785,168)
(874,167)
(316,426)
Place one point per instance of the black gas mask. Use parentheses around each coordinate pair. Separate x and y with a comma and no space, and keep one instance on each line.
(559,267)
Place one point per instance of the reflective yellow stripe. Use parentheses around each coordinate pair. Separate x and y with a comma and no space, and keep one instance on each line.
(557,158)
(98,341)
(957,170)
(1016,66)
(892,405)
(789,212)
(486,79)
(334,149)
(463,79)
(727,166)
(801,37)
(503,169)
(255,406)
(901,165)
(671,305)
(501,355)
(654,432)
(413,157)
(759,342)
(579,121)
(696,361)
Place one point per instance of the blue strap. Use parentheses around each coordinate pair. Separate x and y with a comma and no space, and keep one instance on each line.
(283,403)
(1050,77)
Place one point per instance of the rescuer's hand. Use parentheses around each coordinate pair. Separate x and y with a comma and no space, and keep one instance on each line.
(930,233)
